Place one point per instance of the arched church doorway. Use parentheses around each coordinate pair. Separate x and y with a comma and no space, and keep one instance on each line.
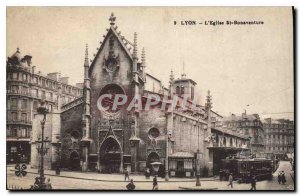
(110,156)
(74,161)
(152,157)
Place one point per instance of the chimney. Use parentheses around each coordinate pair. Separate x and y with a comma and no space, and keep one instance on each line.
(64,80)
(244,116)
(256,116)
(28,58)
(269,120)
(33,69)
(79,85)
(53,76)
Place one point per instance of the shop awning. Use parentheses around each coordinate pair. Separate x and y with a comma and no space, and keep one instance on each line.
(227,148)
(156,163)
(181,155)
(18,139)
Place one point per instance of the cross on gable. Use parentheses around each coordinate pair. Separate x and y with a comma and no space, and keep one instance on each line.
(112,19)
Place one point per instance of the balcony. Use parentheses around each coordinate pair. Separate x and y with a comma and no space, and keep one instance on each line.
(221,145)
(18,92)
(10,138)
(257,144)
(19,122)
(29,94)
(11,68)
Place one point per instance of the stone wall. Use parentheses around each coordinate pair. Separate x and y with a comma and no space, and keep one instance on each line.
(71,134)
(154,118)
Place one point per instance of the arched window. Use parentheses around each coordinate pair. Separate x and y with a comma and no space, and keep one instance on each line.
(182,90)
(224,141)
(192,92)
(177,90)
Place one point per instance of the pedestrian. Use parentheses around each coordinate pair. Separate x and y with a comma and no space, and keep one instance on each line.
(147,173)
(155,184)
(283,179)
(37,180)
(57,170)
(253,183)
(230,180)
(48,185)
(252,170)
(130,186)
(279,177)
(126,174)
(36,183)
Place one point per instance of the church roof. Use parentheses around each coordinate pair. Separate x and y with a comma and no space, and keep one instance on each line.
(185,80)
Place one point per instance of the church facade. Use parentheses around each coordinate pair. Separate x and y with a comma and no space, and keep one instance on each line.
(87,137)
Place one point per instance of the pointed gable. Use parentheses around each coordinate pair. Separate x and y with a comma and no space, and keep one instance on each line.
(119,38)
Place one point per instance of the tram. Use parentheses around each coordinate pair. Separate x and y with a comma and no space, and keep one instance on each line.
(243,169)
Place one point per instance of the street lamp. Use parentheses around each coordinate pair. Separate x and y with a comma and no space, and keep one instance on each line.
(198,157)
(134,143)
(42,146)
(168,137)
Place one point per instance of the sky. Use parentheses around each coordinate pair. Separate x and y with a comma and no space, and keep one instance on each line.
(246,67)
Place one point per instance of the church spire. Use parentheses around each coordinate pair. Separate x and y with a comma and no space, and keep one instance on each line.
(134,55)
(143,58)
(208,100)
(86,56)
(86,62)
(171,78)
(183,75)
(143,65)
(135,46)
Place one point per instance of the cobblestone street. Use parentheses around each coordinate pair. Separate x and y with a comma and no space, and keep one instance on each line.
(92,181)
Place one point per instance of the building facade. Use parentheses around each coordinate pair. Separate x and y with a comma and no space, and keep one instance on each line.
(108,141)
(279,134)
(249,125)
(25,88)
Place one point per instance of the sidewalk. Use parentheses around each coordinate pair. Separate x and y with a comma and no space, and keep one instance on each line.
(107,177)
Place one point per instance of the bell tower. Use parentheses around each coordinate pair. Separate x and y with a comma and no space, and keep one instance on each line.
(184,87)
